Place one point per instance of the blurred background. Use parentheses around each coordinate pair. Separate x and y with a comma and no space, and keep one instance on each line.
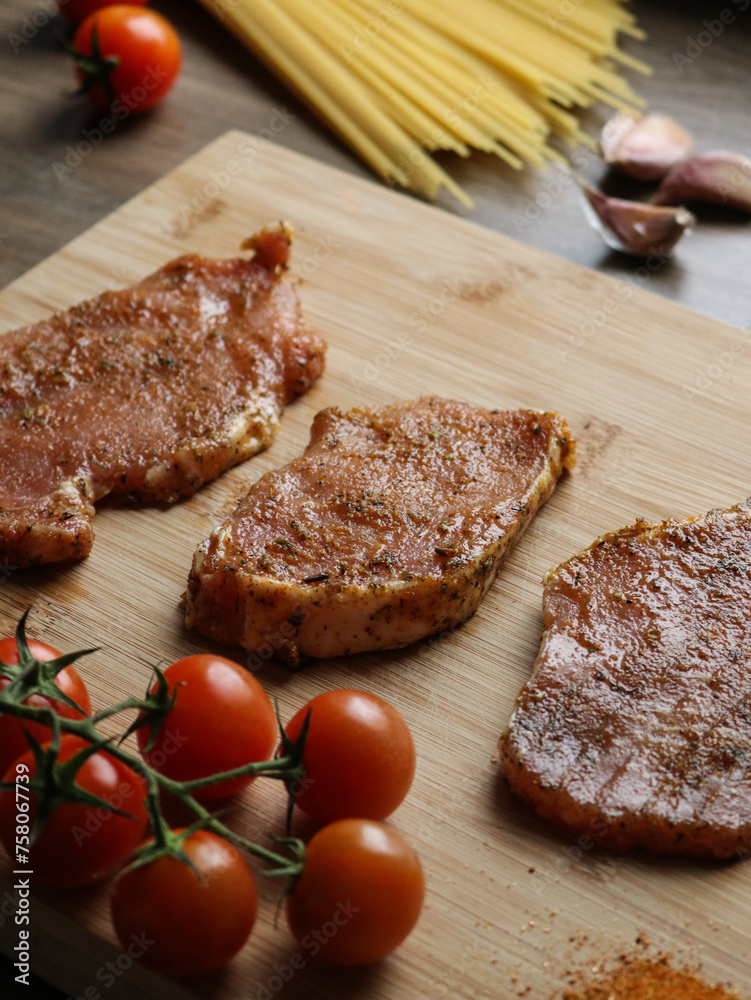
(222,86)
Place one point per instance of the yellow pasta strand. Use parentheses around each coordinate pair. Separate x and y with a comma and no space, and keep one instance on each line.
(397,79)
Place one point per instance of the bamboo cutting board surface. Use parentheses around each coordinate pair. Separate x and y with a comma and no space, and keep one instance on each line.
(412,301)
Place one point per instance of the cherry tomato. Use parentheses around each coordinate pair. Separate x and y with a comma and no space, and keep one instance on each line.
(78,843)
(13,741)
(360,893)
(359,757)
(148,54)
(195,922)
(76,10)
(222,719)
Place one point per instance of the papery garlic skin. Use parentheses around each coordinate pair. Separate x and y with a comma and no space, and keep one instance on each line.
(644,148)
(633,227)
(721,178)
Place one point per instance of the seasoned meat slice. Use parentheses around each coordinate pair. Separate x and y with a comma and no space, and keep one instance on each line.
(391,527)
(146,393)
(635,727)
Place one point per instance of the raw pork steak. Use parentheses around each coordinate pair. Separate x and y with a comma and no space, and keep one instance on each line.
(635,727)
(146,393)
(391,527)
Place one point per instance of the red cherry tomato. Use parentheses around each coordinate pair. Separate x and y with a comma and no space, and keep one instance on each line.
(359,758)
(79,842)
(222,719)
(360,893)
(194,922)
(148,54)
(76,10)
(13,741)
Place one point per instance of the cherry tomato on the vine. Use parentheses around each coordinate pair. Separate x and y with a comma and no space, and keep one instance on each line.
(76,10)
(359,895)
(195,918)
(359,758)
(145,55)
(13,741)
(78,842)
(222,719)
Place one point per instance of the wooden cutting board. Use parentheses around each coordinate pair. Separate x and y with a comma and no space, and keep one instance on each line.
(414,301)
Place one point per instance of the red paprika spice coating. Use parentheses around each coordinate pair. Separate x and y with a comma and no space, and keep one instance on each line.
(635,977)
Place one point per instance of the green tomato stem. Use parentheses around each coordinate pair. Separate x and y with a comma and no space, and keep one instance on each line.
(123,706)
(282,768)
(288,767)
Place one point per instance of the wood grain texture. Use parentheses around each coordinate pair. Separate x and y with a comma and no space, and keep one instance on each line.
(411,301)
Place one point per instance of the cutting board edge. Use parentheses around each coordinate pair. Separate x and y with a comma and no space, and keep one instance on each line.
(272,149)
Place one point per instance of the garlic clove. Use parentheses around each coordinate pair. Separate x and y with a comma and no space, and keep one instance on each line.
(721,178)
(633,227)
(644,148)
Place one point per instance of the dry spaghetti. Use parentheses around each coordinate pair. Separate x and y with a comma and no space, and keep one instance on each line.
(399,79)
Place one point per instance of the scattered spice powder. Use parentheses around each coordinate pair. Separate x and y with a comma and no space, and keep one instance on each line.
(636,977)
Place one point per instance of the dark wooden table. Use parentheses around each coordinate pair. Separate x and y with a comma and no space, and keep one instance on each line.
(222,87)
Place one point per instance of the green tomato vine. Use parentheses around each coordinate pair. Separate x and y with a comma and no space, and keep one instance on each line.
(54,782)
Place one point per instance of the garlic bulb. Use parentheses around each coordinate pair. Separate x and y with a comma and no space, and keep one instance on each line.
(644,148)
(721,177)
(633,227)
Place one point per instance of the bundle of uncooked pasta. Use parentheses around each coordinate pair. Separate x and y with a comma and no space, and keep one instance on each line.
(398,79)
